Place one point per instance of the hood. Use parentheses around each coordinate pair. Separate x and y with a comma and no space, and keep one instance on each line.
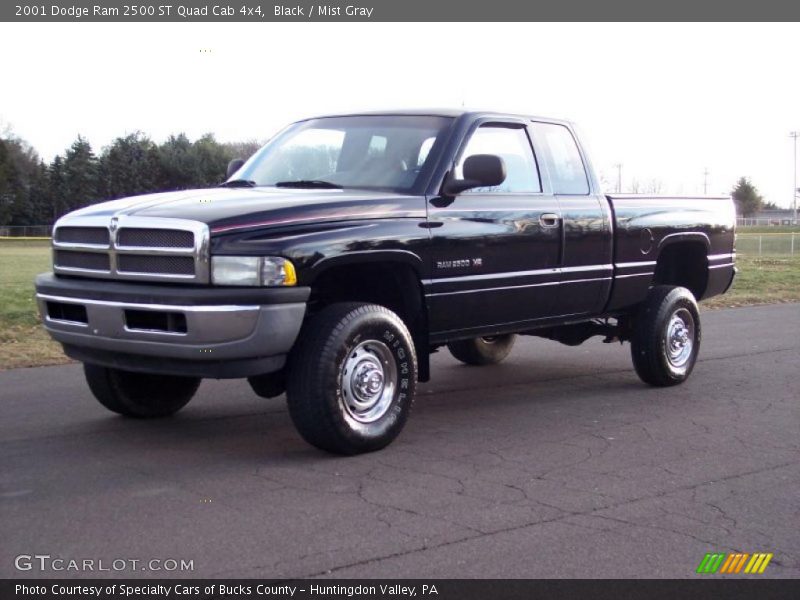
(230,209)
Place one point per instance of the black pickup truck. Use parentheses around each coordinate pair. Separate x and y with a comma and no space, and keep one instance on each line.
(333,262)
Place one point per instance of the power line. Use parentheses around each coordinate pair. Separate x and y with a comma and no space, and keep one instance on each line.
(794,135)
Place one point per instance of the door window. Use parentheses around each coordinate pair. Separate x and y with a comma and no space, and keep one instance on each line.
(513,146)
(563,160)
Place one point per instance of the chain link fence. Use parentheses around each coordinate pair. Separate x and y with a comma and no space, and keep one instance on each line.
(766,221)
(26,231)
(768,244)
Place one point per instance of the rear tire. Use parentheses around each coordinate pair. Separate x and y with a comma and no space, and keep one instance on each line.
(352,378)
(483,350)
(139,395)
(666,338)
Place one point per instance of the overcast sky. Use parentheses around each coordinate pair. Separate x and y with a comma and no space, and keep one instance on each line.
(665,100)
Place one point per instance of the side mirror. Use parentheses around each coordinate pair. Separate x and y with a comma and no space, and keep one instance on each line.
(234,166)
(480,170)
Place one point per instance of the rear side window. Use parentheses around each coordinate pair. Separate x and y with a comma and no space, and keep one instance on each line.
(562,157)
(513,146)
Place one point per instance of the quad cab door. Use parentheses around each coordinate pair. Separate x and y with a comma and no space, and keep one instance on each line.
(586,269)
(496,251)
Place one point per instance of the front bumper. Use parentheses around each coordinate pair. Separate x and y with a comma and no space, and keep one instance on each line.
(180,330)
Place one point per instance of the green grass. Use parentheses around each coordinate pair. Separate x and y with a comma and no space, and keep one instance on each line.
(764,280)
(23,342)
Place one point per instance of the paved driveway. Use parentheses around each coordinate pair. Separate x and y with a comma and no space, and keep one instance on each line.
(557,463)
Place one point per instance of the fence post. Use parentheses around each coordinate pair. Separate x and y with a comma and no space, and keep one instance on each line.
(792,250)
(759,245)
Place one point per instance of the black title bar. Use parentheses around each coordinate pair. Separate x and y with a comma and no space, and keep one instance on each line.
(418,589)
(399,10)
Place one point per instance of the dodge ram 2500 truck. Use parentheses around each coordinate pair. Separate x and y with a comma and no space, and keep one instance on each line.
(333,262)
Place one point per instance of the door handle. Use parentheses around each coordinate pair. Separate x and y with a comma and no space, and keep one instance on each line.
(549,220)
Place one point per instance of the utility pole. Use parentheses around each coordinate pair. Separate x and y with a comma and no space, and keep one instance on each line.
(705,181)
(619,177)
(794,135)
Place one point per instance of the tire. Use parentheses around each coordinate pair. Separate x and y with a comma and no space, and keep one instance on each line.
(666,338)
(139,395)
(483,350)
(331,407)
(270,385)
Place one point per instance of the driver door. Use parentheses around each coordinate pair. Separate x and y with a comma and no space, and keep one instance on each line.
(495,251)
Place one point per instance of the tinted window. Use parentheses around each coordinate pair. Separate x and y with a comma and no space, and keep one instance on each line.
(563,160)
(372,152)
(513,146)
(424,150)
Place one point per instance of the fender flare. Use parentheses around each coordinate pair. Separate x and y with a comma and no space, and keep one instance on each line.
(365,256)
(688,236)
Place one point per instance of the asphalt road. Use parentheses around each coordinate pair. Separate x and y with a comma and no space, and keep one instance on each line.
(557,463)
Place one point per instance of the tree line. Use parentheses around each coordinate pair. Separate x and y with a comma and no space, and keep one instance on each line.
(34,192)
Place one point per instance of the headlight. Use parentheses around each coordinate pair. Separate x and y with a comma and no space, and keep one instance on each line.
(252,270)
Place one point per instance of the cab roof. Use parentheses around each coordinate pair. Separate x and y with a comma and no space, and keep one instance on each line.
(440,112)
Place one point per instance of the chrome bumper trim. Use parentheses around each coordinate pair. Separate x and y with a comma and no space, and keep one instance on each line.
(213,333)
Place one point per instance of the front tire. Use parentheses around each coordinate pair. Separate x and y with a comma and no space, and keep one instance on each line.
(269,385)
(666,340)
(481,351)
(352,378)
(139,395)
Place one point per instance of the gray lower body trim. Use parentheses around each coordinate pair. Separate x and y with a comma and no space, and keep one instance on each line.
(213,334)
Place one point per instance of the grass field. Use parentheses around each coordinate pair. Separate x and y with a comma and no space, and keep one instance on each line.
(23,342)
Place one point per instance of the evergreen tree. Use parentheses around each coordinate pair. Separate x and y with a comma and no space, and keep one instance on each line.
(40,197)
(746,197)
(211,161)
(9,184)
(18,165)
(57,186)
(35,193)
(80,175)
(177,169)
(243,150)
(129,166)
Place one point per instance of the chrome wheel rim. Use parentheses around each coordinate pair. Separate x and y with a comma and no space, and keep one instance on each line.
(488,339)
(680,338)
(368,381)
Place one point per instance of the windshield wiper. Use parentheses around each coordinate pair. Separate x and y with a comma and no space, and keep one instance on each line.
(239,183)
(309,183)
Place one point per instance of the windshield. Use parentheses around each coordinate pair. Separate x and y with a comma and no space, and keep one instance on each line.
(371,152)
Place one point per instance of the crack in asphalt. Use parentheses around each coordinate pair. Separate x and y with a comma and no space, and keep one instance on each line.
(453,491)
(569,514)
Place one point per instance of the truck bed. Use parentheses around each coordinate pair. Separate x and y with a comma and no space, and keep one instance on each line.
(644,225)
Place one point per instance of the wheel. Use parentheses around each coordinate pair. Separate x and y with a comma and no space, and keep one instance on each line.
(352,378)
(270,385)
(666,338)
(488,350)
(140,395)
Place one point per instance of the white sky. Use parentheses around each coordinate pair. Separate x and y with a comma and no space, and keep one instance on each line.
(665,100)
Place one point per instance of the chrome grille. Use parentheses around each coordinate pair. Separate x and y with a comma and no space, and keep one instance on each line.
(170,265)
(129,247)
(83,235)
(155,238)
